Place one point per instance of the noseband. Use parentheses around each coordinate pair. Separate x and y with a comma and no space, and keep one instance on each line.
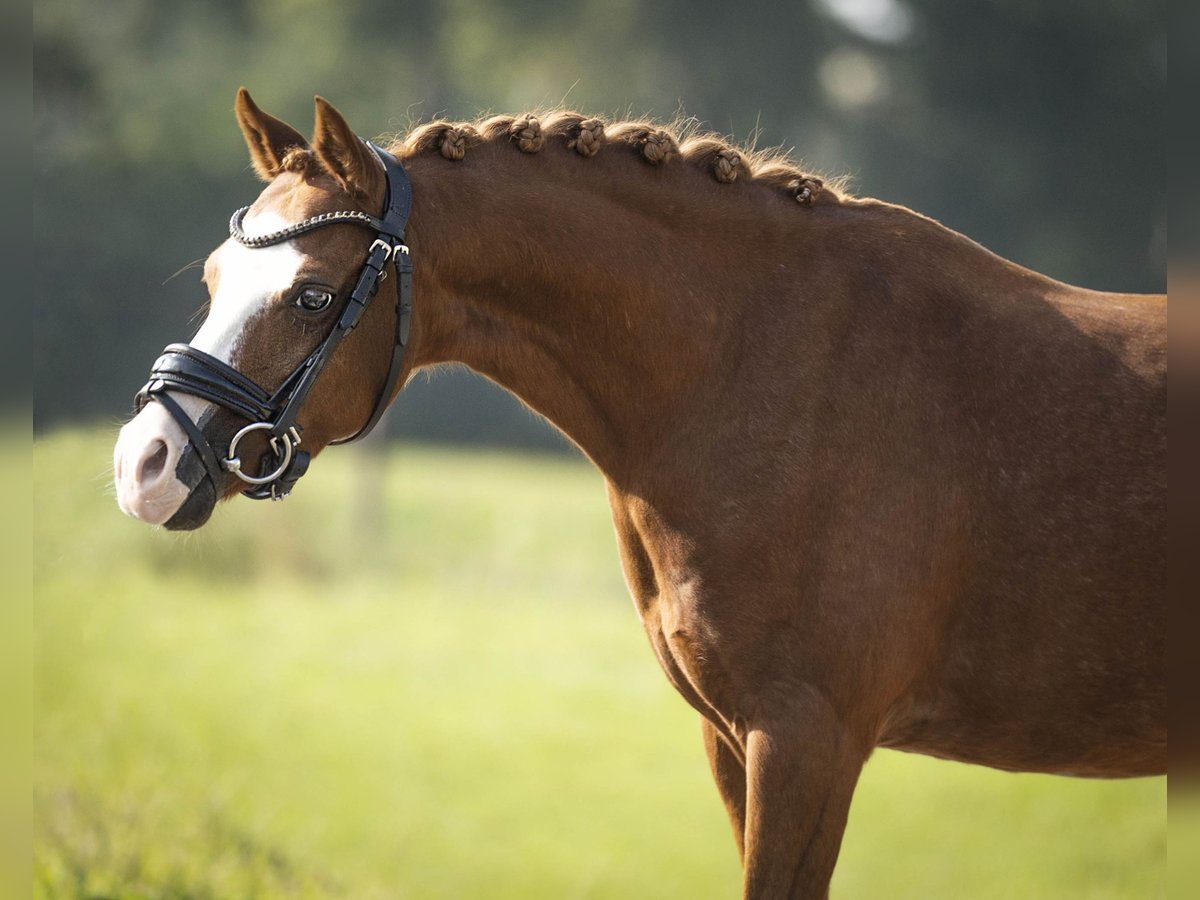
(185,369)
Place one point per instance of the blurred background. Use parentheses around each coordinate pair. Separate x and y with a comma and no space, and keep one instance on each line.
(422,676)
(1035,128)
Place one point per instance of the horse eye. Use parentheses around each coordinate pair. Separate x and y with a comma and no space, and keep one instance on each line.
(314,299)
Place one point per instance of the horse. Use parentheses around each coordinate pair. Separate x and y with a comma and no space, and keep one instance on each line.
(873,485)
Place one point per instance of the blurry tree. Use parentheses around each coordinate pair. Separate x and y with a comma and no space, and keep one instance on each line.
(1035,128)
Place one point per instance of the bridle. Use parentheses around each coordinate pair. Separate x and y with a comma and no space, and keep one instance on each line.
(185,369)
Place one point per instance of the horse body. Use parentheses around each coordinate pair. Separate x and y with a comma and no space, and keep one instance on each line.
(872,485)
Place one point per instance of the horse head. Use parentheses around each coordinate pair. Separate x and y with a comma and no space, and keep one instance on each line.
(241,408)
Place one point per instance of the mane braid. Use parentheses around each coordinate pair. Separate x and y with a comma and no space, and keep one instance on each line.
(656,143)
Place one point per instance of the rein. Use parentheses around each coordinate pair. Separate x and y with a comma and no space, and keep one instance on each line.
(185,369)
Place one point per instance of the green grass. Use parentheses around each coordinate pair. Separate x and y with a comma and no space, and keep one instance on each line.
(422,677)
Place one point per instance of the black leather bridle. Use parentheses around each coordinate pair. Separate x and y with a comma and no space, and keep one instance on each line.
(185,369)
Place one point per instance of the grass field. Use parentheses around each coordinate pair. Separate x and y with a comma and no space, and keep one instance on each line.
(421,677)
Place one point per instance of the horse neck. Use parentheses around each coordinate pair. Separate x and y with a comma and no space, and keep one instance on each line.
(596,290)
(656,315)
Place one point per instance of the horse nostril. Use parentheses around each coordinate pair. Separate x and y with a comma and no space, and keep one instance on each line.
(153,465)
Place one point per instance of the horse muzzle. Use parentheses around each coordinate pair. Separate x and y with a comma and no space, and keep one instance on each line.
(158,474)
(202,498)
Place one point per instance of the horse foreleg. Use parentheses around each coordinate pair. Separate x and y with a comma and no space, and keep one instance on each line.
(801,772)
(730,776)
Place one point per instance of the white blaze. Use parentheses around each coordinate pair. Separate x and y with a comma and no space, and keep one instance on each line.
(149,446)
(248,279)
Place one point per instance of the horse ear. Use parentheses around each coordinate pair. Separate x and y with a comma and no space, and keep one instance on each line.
(268,138)
(342,152)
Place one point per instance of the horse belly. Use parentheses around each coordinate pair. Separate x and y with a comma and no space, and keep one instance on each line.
(1064,694)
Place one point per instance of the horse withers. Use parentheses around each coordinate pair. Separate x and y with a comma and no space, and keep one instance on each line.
(872,484)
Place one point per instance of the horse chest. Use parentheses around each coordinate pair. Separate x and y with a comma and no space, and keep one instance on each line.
(669,594)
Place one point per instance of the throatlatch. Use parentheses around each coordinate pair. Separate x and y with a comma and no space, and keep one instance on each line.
(185,369)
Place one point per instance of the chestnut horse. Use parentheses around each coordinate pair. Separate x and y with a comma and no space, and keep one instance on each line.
(873,485)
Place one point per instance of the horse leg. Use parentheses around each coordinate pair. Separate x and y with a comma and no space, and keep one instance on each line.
(801,771)
(730,776)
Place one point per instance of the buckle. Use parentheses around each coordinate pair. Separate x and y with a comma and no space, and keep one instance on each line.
(381,244)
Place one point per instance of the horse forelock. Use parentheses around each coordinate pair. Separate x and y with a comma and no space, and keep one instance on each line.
(300,160)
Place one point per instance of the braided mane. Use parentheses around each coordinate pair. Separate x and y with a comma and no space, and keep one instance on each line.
(658,144)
